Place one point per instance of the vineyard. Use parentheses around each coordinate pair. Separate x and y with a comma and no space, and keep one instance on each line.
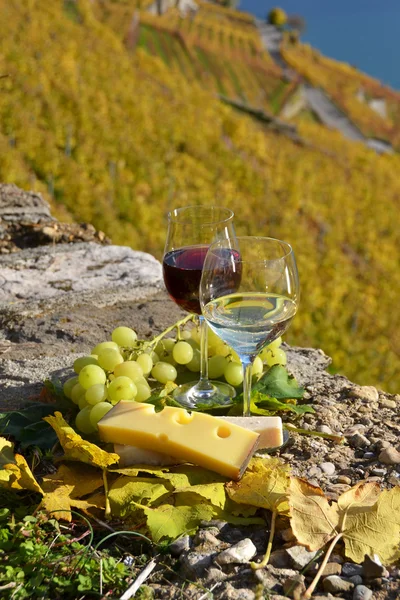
(353,91)
(118,137)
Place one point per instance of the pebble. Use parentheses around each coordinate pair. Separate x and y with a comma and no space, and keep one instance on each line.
(379,472)
(279,559)
(389,456)
(350,569)
(194,564)
(367,393)
(386,403)
(214,575)
(358,440)
(314,471)
(369,455)
(324,429)
(180,545)
(232,593)
(332,568)
(241,553)
(206,537)
(372,568)
(336,584)
(357,428)
(328,468)
(300,556)
(344,479)
(361,592)
(294,587)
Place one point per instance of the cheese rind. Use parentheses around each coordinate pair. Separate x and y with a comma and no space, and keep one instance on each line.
(195,437)
(132,455)
(269,429)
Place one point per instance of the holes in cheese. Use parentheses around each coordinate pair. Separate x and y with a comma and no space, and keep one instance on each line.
(202,439)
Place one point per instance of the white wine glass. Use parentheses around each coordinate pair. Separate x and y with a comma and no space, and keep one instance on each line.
(191,230)
(249,294)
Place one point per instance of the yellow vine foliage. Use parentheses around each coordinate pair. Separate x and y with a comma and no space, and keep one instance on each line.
(117,138)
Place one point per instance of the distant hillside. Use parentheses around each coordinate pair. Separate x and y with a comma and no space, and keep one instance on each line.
(115,135)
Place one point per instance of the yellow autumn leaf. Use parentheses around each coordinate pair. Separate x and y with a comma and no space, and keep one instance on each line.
(76,448)
(64,490)
(265,484)
(15,473)
(366,518)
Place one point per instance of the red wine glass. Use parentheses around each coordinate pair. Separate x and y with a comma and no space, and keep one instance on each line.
(191,230)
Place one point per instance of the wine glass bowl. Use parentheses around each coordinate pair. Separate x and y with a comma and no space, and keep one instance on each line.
(191,229)
(261,304)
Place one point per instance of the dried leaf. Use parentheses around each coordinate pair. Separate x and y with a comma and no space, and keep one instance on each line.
(76,448)
(265,484)
(15,473)
(314,521)
(214,492)
(63,490)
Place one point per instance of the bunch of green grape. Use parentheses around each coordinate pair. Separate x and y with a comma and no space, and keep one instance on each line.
(126,368)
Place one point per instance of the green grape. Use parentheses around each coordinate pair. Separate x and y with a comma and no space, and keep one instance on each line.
(141,380)
(275,344)
(275,357)
(194,364)
(195,333)
(182,353)
(81,362)
(124,336)
(82,402)
(102,346)
(257,367)
(185,335)
(98,411)
(233,373)
(76,392)
(154,357)
(109,358)
(143,392)
(167,345)
(193,344)
(129,368)
(164,372)
(82,421)
(222,350)
(68,385)
(90,375)
(95,394)
(144,360)
(168,358)
(122,388)
(216,366)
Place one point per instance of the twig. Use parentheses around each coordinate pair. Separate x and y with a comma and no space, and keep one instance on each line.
(8,586)
(132,589)
(265,560)
(205,595)
(339,439)
(107,512)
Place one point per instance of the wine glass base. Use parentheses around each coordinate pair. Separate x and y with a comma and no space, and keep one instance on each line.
(190,396)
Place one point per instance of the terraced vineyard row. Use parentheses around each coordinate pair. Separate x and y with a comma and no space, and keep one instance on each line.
(351,90)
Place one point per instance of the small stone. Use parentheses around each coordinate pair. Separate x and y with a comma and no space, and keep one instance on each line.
(379,472)
(369,455)
(300,556)
(361,592)
(280,559)
(194,564)
(240,553)
(386,403)
(268,580)
(389,456)
(356,579)
(314,471)
(324,429)
(367,393)
(214,575)
(328,468)
(332,568)
(232,593)
(358,440)
(344,479)
(372,568)
(350,569)
(357,428)
(294,587)
(384,444)
(180,545)
(335,584)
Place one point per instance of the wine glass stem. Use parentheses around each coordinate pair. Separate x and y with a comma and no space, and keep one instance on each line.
(247,364)
(203,383)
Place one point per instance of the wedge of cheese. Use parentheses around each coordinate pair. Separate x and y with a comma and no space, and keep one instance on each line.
(193,437)
(269,429)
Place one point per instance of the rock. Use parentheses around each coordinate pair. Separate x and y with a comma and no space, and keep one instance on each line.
(214,575)
(206,540)
(350,569)
(367,393)
(335,584)
(231,593)
(344,479)
(324,429)
(332,568)
(300,556)
(294,587)
(389,456)
(280,559)
(194,564)
(361,592)
(328,468)
(180,545)
(386,403)
(372,568)
(358,440)
(241,552)
(16,205)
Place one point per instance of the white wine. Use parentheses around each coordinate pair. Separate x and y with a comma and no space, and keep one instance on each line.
(249,321)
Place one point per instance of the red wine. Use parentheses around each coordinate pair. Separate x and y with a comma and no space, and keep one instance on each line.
(182,270)
(182,273)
